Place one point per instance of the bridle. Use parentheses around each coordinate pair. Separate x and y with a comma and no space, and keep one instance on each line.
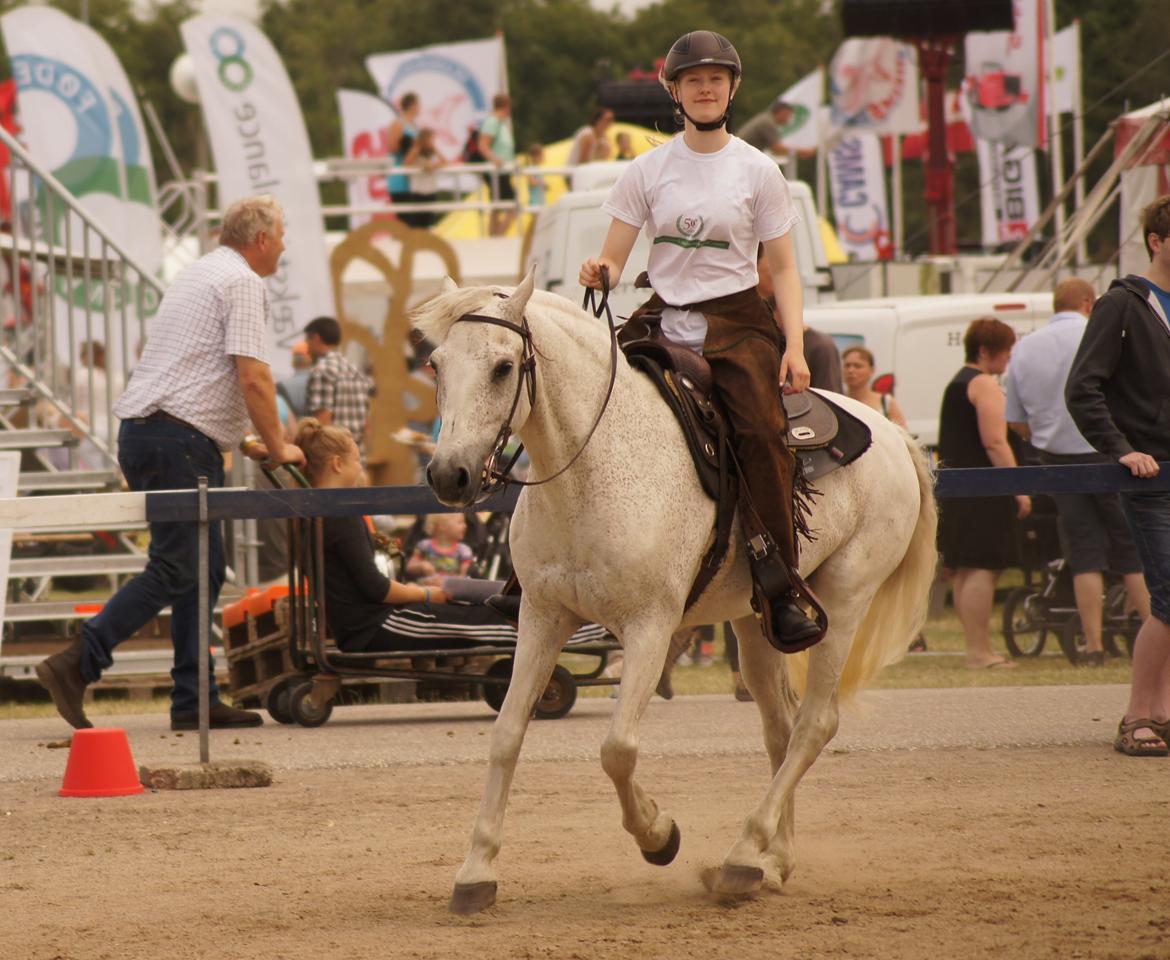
(497,478)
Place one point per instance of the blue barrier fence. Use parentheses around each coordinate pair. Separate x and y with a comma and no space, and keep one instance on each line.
(973,482)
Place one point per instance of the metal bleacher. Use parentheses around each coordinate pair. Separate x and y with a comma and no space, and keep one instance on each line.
(67,282)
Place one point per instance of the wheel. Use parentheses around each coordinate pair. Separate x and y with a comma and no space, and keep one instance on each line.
(1024,629)
(276,700)
(494,693)
(1072,639)
(302,709)
(558,697)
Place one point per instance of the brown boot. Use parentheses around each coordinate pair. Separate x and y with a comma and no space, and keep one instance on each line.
(60,674)
(221,717)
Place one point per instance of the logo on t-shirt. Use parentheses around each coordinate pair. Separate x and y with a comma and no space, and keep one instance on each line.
(691,226)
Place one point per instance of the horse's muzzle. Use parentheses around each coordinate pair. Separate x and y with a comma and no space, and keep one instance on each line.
(453,484)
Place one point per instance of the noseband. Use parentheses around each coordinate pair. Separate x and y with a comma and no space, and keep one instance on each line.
(495,478)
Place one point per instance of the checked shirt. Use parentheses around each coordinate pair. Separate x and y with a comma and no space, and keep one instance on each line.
(338,386)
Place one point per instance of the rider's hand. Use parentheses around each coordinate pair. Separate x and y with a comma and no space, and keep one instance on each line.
(1023,507)
(439,595)
(794,373)
(590,275)
(1140,464)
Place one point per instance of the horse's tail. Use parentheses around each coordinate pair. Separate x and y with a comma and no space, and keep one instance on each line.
(898,609)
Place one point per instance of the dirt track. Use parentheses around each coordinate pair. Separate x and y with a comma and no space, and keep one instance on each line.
(944,851)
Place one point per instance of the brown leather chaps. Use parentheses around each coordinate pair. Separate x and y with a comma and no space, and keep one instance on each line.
(744,347)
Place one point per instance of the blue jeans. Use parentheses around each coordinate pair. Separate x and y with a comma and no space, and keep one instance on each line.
(1149,520)
(163,455)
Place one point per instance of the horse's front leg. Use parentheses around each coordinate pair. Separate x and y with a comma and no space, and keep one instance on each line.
(645,649)
(543,632)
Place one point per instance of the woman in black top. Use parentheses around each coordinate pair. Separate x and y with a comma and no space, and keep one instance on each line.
(365,610)
(975,534)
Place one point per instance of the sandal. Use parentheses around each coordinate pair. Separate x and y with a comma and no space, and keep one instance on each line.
(1132,746)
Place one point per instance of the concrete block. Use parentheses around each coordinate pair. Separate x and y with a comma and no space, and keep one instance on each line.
(206,776)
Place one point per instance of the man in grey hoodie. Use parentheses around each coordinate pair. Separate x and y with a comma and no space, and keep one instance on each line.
(1118,392)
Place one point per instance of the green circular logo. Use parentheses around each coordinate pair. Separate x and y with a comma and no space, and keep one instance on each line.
(234,72)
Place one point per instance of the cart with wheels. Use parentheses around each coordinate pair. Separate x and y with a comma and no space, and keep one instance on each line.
(315,669)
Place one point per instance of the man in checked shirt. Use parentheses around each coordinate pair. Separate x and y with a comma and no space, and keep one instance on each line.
(338,392)
(203,375)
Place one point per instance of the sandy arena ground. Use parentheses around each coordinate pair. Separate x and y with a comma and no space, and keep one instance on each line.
(960,823)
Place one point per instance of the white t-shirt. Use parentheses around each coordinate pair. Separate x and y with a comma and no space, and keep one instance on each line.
(705,214)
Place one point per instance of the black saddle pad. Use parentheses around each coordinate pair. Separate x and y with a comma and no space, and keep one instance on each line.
(850,439)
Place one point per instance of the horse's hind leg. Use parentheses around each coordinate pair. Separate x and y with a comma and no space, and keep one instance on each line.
(654,832)
(766,676)
(542,635)
(767,833)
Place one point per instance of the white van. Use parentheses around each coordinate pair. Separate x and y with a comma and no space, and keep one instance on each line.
(917,342)
(574,228)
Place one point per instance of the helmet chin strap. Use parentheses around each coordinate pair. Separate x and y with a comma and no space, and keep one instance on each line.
(706,124)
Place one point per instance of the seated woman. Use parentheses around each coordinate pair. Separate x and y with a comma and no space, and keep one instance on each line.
(365,610)
(857,364)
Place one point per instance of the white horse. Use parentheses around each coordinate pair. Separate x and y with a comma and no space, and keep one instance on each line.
(617,539)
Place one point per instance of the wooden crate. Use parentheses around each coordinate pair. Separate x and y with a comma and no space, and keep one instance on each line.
(256,644)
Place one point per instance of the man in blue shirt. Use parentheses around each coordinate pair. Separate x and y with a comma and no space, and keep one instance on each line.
(1094,534)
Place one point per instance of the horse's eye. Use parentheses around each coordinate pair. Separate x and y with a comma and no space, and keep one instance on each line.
(503,368)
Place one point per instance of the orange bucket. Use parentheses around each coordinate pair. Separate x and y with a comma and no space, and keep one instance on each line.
(100,765)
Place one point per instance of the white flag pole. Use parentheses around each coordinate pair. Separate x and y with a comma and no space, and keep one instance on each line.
(896,191)
(1079,140)
(823,133)
(1055,142)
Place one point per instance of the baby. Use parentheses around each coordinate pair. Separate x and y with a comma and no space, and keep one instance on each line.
(443,554)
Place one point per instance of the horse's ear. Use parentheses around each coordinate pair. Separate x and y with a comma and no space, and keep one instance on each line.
(515,304)
(449,285)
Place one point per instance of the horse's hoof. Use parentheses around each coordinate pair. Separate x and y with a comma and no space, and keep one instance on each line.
(469,898)
(660,858)
(733,883)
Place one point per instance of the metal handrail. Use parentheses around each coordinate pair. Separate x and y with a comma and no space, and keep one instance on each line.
(62,192)
(342,169)
(72,282)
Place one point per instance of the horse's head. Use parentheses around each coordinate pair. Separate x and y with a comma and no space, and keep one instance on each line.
(482,348)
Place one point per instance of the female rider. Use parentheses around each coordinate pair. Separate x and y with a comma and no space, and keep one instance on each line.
(708,199)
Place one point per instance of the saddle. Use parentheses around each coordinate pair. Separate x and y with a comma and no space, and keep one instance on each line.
(821,434)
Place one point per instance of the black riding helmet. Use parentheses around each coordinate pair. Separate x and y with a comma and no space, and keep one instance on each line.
(701,48)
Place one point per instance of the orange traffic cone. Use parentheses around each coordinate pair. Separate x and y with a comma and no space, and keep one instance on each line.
(100,765)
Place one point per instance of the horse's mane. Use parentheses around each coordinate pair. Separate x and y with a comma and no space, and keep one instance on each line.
(434,318)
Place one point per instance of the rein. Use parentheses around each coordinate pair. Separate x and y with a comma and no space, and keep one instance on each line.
(496,479)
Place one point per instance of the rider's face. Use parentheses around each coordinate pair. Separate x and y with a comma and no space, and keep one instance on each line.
(704,92)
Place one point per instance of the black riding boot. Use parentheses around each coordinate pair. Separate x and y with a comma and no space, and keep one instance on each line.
(791,625)
(507,602)
(775,597)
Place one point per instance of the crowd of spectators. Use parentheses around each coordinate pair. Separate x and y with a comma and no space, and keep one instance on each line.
(1088,387)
